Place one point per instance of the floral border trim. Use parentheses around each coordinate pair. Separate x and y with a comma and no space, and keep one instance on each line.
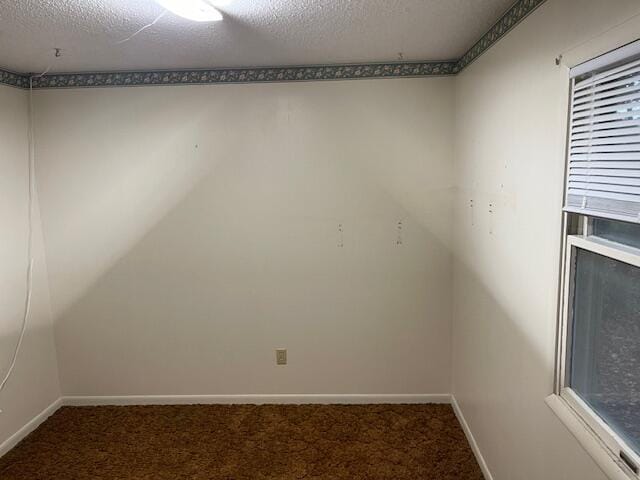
(245,75)
(510,19)
(14,79)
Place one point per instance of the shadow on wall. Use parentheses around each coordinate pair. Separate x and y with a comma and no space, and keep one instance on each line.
(503,360)
(117,174)
(501,379)
(223,251)
(131,166)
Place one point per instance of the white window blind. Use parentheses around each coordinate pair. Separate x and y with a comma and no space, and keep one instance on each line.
(604,146)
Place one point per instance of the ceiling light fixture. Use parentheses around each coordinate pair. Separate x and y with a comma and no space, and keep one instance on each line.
(196,10)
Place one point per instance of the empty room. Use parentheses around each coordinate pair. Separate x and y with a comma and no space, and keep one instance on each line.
(320,240)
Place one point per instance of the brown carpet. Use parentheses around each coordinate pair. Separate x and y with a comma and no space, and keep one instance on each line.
(238,442)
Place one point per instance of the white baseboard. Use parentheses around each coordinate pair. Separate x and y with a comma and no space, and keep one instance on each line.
(255,399)
(471,439)
(14,439)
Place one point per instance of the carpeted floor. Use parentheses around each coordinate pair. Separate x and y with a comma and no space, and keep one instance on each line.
(238,442)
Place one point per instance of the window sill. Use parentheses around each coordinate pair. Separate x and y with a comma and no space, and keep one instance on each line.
(610,464)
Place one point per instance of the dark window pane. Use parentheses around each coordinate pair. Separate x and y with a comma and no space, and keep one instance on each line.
(605,361)
(621,232)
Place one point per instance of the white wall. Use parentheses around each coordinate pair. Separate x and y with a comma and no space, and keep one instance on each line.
(190,231)
(511,115)
(34,384)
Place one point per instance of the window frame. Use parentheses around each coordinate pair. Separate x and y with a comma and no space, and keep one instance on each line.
(582,239)
(594,435)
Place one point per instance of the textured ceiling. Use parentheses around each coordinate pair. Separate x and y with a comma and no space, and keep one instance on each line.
(253,33)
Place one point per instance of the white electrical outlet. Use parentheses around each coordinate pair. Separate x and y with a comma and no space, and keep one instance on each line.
(281,356)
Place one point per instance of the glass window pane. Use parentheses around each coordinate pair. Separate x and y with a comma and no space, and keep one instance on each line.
(605,361)
(621,232)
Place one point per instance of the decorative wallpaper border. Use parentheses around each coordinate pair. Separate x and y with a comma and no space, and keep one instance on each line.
(514,15)
(13,79)
(245,75)
(511,18)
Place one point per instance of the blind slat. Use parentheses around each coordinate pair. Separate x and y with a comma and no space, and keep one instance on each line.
(602,194)
(604,156)
(605,172)
(597,141)
(631,165)
(604,187)
(601,119)
(590,178)
(606,129)
(629,147)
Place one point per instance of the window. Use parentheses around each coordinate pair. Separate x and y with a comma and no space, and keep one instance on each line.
(619,232)
(599,341)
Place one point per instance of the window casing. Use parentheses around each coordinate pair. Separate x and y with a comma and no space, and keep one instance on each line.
(598,368)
